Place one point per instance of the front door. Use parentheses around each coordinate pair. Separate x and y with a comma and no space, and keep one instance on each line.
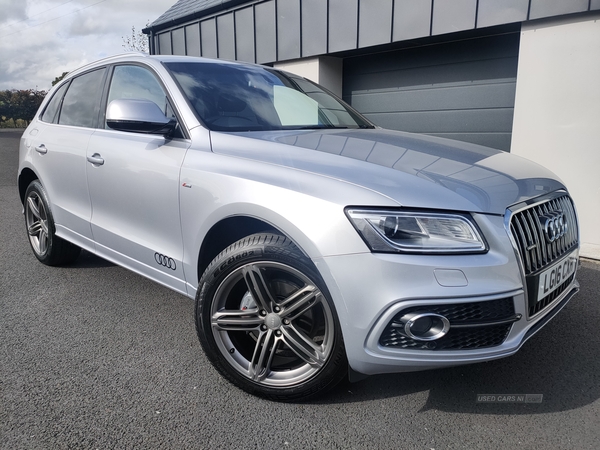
(134,187)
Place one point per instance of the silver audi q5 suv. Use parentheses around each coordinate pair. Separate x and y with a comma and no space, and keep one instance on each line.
(315,244)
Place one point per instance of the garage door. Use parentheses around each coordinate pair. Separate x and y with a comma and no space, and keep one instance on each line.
(462,90)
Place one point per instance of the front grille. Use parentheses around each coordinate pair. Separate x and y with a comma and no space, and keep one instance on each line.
(536,251)
(472,326)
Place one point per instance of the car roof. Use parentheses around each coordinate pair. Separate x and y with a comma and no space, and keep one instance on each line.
(139,56)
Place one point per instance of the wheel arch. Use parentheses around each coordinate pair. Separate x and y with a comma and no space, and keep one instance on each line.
(227,231)
(25,178)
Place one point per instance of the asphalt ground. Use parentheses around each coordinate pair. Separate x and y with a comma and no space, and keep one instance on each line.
(93,356)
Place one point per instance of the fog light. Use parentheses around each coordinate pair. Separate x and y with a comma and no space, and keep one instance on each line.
(424,326)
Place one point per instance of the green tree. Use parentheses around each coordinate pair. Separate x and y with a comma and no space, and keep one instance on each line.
(57,79)
(4,104)
(19,106)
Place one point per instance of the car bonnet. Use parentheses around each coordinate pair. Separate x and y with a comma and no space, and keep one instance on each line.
(414,170)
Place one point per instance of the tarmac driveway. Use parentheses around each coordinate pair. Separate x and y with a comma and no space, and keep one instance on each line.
(94,356)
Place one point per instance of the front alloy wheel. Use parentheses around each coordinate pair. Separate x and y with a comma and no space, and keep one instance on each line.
(265,322)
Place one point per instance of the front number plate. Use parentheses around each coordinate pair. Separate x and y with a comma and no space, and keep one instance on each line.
(550,279)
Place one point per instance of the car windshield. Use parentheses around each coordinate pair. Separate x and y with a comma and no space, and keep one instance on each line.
(228,97)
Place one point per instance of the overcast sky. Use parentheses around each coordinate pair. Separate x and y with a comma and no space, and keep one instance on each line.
(41,39)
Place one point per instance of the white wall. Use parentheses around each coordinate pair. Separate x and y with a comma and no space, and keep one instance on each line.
(324,70)
(557,111)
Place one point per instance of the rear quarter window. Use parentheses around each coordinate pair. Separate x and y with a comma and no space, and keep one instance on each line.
(50,114)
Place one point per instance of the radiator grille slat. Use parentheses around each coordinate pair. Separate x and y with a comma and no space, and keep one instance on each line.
(535,250)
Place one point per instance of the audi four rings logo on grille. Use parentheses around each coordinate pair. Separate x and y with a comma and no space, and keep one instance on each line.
(163,260)
(554,225)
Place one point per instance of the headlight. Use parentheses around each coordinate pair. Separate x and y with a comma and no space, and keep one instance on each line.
(417,232)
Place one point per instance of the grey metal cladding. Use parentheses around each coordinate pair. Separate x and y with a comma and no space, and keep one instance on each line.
(164,43)
(208,38)
(463,90)
(548,8)
(343,20)
(178,41)
(374,22)
(412,19)
(288,29)
(244,34)
(266,36)
(279,30)
(453,15)
(226,36)
(314,27)
(493,12)
(192,39)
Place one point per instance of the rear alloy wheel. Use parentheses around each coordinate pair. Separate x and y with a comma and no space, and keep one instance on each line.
(266,321)
(47,247)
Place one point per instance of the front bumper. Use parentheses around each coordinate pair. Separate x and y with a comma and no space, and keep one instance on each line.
(370,289)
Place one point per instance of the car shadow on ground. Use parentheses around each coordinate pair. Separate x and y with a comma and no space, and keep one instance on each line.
(87,260)
(561,362)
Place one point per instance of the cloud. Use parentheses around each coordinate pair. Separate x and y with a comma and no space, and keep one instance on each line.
(12,11)
(40,40)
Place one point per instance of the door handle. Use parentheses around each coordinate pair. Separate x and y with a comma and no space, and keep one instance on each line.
(96,159)
(41,149)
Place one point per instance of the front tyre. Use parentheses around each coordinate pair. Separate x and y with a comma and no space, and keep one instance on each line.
(47,247)
(266,322)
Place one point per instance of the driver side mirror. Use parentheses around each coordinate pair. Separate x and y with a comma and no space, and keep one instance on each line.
(138,116)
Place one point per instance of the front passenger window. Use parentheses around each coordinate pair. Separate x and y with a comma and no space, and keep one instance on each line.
(138,83)
(134,82)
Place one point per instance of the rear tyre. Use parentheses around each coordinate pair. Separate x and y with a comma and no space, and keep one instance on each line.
(47,247)
(267,323)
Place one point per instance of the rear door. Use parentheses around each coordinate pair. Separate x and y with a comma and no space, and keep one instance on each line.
(60,140)
(134,187)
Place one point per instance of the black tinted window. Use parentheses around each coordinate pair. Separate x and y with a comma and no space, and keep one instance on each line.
(50,113)
(82,101)
(230,97)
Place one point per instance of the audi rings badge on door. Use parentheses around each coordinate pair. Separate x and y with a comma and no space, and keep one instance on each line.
(165,261)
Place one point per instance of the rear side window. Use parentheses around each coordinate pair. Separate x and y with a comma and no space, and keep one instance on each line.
(50,114)
(81,104)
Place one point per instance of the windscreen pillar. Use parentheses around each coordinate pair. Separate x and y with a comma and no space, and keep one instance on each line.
(324,70)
